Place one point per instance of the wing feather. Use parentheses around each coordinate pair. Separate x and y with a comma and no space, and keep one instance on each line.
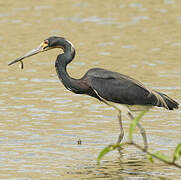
(122,89)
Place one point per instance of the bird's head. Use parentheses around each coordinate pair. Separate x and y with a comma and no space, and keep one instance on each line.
(50,43)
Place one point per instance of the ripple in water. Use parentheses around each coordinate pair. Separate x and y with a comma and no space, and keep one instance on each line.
(39,110)
(93,19)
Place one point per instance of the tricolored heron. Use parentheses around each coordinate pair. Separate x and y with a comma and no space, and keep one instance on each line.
(112,88)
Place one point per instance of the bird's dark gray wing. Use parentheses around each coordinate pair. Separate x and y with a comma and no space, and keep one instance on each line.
(119,88)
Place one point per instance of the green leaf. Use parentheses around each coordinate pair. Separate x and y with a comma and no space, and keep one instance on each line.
(134,123)
(177,152)
(107,150)
(150,158)
(162,156)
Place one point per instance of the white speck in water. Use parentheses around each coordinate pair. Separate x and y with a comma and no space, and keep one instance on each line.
(42,7)
(3,14)
(116,37)
(169,1)
(92,19)
(176,44)
(105,53)
(80,4)
(135,5)
(178,18)
(155,49)
(55,31)
(30,70)
(105,44)
(21,9)
(23,79)
(133,66)
(128,47)
(149,63)
(79,63)
(137,19)
(162,10)
(122,6)
(159,61)
(16,21)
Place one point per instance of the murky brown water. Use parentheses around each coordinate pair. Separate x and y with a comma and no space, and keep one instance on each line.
(41,121)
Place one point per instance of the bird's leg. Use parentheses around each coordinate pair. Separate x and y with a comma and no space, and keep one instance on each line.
(121,135)
(142,131)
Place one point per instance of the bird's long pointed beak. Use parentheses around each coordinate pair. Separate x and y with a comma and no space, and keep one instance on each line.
(43,47)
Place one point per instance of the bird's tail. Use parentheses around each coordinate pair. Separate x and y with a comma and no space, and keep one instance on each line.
(164,101)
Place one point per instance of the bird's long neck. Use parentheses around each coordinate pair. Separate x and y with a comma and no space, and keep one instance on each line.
(61,67)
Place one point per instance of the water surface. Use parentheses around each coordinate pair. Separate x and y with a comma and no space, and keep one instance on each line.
(41,122)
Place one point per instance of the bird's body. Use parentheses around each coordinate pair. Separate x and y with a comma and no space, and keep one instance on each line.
(110,86)
(105,85)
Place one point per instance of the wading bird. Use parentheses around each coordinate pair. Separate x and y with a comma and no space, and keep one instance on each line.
(112,88)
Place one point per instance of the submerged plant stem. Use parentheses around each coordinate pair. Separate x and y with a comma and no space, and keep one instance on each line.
(153,155)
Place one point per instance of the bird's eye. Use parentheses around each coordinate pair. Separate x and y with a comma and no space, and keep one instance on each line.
(46,41)
(45,44)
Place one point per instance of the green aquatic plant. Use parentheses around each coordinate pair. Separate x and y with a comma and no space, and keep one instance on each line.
(151,156)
